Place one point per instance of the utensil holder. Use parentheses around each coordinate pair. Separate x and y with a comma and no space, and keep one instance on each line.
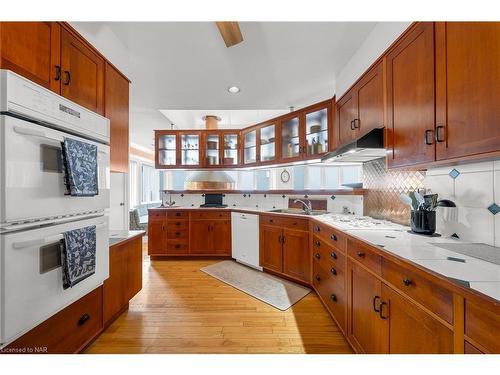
(423,222)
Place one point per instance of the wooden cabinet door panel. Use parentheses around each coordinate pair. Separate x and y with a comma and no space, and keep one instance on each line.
(271,248)
(221,233)
(467,88)
(82,73)
(410,98)
(370,94)
(114,288)
(117,111)
(134,267)
(296,255)
(200,237)
(157,235)
(33,50)
(366,328)
(412,330)
(346,113)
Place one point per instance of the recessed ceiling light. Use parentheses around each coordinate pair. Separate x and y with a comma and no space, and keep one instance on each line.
(233,89)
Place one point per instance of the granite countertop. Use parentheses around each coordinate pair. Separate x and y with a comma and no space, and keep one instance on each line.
(118,236)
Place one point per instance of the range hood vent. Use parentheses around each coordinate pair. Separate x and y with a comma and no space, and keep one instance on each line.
(368,147)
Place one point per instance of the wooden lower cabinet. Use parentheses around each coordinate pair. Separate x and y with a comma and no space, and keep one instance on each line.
(125,277)
(157,238)
(68,331)
(482,324)
(210,237)
(271,249)
(221,237)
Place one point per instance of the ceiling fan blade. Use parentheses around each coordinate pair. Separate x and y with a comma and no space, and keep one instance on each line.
(230,32)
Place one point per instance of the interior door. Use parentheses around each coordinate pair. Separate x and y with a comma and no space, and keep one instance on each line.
(410,98)
(118,214)
(82,73)
(428,335)
(346,113)
(271,248)
(296,255)
(366,328)
(33,50)
(467,88)
(370,93)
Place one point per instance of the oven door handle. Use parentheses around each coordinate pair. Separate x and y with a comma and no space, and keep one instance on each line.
(34,133)
(43,241)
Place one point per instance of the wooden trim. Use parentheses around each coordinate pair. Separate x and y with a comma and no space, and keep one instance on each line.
(128,239)
(142,154)
(458,324)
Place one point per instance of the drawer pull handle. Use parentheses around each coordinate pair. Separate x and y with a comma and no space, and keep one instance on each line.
(333,254)
(83,319)
(317,228)
(333,237)
(317,256)
(333,271)
(318,278)
(177,233)
(177,214)
(381,314)
(317,243)
(177,246)
(375,300)
(360,254)
(333,297)
(407,282)
(271,220)
(177,223)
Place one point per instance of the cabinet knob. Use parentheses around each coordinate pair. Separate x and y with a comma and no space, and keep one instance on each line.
(360,254)
(177,214)
(177,246)
(407,282)
(333,237)
(333,297)
(333,271)
(317,243)
(317,256)
(333,254)
(83,319)
(317,228)
(177,233)
(177,223)
(318,278)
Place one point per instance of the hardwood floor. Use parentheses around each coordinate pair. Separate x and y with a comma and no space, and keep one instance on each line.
(183,310)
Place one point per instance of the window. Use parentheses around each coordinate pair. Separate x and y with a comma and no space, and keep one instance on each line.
(150,184)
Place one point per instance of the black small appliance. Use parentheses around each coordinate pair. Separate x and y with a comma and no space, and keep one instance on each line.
(213,201)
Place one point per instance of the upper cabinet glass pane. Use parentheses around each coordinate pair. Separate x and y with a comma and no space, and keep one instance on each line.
(267,143)
(212,149)
(317,132)
(190,146)
(230,149)
(250,147)
(290,140)
(167,145)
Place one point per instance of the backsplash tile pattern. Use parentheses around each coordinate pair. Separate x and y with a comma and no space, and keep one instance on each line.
(384,188)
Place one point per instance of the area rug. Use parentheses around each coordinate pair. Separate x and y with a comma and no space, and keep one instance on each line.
(272,290)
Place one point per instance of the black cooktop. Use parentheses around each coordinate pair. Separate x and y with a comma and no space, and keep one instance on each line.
(212,205)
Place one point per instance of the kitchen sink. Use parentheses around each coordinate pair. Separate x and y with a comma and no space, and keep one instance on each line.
(297,211)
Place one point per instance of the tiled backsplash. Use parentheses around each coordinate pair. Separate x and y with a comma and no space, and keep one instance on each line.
(475,188)
(273,201)
(385,187)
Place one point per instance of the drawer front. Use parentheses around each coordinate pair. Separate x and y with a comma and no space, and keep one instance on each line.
(174,214)
(174,232)
(157,213)
(288,222)
(177,247)
(482,321)
(326,254)
(68,330)
(211,215)
(365,255)
(331,292)
(430,295)
(173,225)
(331,236)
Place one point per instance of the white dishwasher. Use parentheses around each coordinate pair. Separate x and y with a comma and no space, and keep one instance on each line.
(245,238)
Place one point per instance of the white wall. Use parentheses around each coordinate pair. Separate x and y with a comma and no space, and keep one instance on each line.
(374,45)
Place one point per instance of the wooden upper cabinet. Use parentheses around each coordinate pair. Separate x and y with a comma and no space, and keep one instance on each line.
(292,137)
(116,101)
(467,88)
(370,95)
(32,50)
(346,113)
(82,79)
(296,255)
(410,98)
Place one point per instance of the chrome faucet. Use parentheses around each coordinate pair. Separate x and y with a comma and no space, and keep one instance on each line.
(170,202)
(307,206)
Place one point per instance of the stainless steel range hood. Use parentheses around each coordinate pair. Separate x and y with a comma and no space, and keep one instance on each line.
(368,147)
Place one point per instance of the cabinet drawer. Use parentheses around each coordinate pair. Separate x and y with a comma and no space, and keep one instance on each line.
(70,329)
(177,214)
(330,235)
(332,293)
(327,256)
(180,246)
(365,255)
(430,295)
(173,225)
(482,320)
(288,222)
(157,213)
(212,215)
(174,232)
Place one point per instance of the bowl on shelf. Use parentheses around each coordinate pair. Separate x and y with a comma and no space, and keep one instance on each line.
(228,161)
(212,145)
(315,128)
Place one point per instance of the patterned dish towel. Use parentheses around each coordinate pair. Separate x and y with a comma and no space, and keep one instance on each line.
(80,162)
(78,250)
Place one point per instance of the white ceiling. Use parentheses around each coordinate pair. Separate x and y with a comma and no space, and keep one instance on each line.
(186,66)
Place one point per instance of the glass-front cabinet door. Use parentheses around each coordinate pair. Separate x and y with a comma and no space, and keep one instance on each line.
(190,149)
(166,149)
(317,132)
(268,143)
(291,140)
(212,149)
(250,147)
(231,149)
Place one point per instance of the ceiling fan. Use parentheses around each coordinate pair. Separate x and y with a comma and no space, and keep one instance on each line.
(230,32)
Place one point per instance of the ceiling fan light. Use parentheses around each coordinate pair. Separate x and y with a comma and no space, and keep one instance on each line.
(233,89)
